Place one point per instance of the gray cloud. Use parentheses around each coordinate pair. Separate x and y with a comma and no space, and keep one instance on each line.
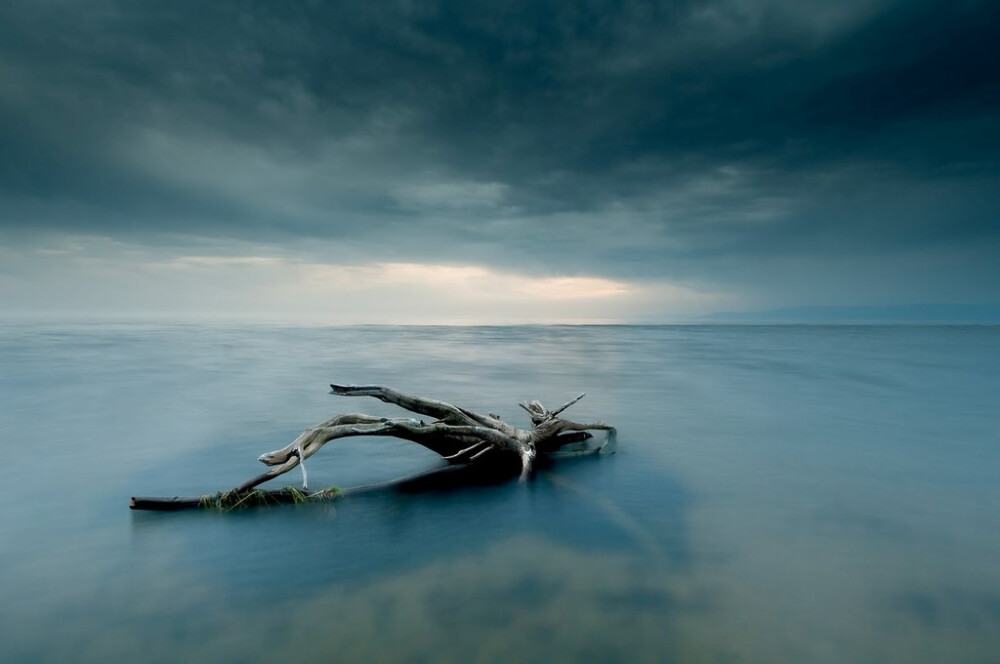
(688,140)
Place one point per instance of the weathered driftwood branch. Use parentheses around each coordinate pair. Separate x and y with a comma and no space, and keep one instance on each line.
(458,435)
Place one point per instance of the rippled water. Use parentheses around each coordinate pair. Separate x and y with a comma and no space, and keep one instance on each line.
(809,494)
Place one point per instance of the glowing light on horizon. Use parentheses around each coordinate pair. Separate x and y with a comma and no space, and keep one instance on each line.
(103,277)
(486,281)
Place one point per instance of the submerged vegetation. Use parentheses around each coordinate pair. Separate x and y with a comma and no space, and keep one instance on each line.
(228,501)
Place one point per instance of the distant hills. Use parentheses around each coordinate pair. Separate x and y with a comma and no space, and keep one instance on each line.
(985,314)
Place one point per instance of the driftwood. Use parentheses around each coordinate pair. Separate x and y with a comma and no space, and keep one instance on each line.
(461,437)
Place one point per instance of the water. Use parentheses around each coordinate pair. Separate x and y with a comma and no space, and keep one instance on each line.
(808,494)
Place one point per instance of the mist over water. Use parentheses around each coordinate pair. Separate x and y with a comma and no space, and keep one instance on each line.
(785,493)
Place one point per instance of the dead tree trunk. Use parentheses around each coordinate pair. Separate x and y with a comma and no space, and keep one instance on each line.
(458,435)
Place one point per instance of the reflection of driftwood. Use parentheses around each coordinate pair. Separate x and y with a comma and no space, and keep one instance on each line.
(460,436)
(445,478)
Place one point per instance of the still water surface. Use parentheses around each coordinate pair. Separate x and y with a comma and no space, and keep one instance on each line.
(807,494)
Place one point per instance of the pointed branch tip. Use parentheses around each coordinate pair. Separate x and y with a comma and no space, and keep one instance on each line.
(567,404)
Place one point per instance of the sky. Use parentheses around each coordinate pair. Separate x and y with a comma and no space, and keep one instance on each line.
(495,162)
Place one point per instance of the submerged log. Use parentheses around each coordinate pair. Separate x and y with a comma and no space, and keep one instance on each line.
(232,500)
(461,437)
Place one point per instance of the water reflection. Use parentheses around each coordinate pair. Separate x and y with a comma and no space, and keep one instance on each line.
(412,523)
(779,494)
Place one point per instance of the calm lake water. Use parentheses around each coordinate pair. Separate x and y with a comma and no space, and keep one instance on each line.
(780,494)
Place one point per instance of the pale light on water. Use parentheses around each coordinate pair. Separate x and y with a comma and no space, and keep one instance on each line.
(779,494)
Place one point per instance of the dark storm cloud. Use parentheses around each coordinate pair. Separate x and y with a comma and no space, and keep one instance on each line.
(631,132)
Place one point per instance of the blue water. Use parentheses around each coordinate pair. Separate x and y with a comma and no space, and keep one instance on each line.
(806,494)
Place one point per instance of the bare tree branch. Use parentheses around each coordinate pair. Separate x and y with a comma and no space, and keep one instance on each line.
(458,435)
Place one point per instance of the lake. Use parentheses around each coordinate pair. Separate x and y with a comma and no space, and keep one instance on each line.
(779,493)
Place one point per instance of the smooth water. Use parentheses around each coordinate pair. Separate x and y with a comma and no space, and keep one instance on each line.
(795,494)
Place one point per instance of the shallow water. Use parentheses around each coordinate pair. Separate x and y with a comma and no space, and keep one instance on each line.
(820,494)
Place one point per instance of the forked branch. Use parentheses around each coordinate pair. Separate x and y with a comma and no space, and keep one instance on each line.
(458,435)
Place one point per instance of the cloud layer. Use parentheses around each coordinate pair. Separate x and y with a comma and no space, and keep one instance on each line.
(782,152)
